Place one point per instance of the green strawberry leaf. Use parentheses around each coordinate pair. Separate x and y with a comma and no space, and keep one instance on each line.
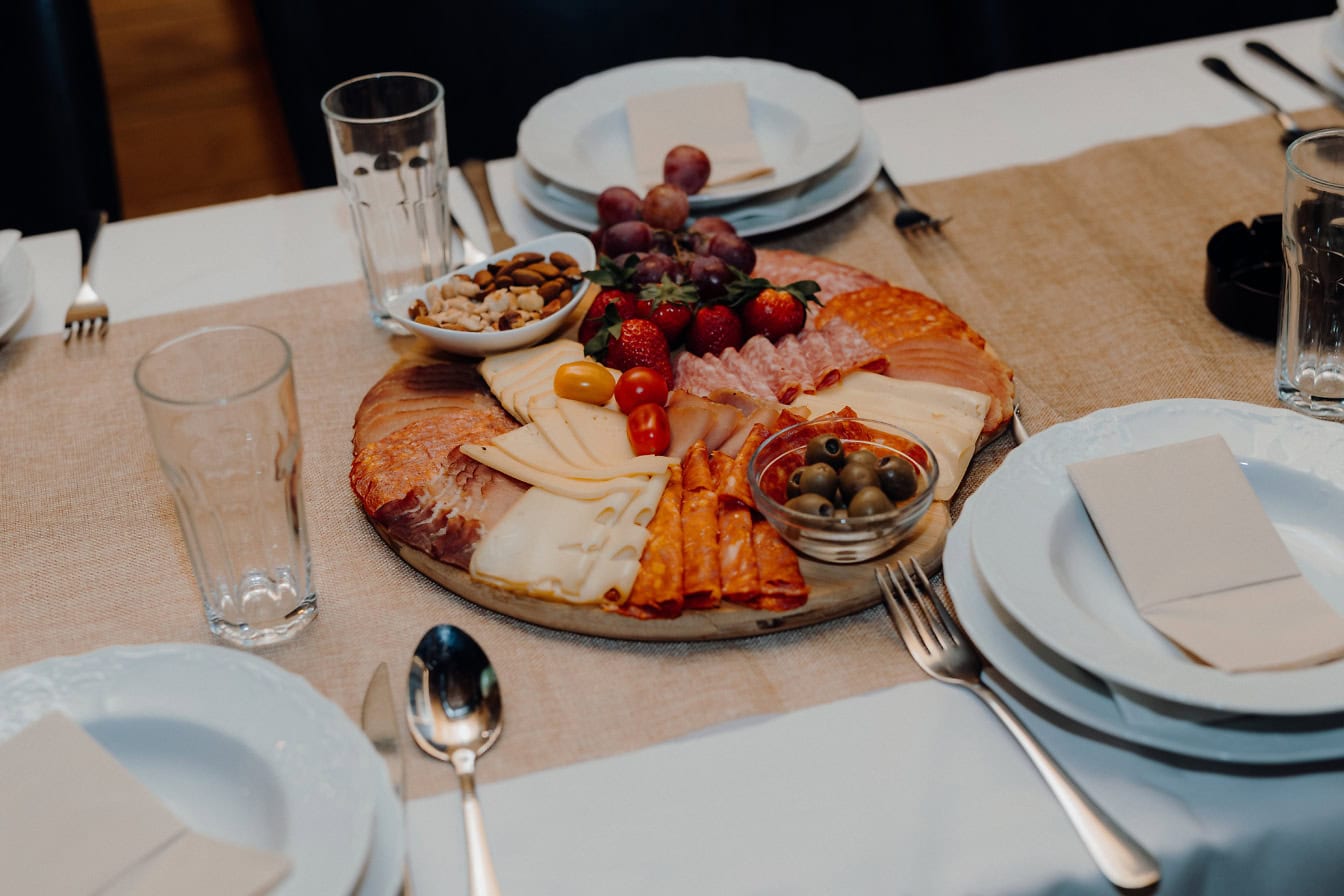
(596,347)
(667,291)
(613,275)
(742,289)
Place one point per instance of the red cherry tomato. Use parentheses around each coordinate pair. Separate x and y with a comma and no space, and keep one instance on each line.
(648,429)
(640,385)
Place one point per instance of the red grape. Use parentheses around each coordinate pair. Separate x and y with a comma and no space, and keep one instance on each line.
(710,276)
(653,267)
(617,204)
(686,167)
(711,225)
(733,250)
(666,207)
(627,236)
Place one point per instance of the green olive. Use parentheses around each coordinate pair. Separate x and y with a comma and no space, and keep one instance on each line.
(869,502)
(861,456)
(817,479)
(812,504)
(855,477)
(794,488)
(897,477)
(826,450)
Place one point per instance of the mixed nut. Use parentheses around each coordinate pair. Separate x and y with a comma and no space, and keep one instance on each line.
(504,295)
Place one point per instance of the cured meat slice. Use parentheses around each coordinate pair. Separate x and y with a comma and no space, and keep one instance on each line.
(417,389)
(769,362)
(850,349)
(754,381)
(887,314)
(701,376)
(784,266)
(794,362)
(822,365)
(657,592)
(782,583)
(736,488)
(737,559)
(693,418)
(954,362)
(701,584)
(426,492)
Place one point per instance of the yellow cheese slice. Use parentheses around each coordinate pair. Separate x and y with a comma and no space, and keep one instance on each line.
(561,437)
(536,545)
(616,563)
(600,430)
(527,445)
(534,375)
(497,459)
(500,371)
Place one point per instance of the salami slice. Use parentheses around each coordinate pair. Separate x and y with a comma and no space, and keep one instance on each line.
(794,364)
(782,583)
(701,584)
(820,362)
(784,266)
(735,488)
(851,350)
(657,592)
(737,558)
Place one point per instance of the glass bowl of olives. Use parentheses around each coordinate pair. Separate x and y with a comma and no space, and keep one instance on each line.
(843,489)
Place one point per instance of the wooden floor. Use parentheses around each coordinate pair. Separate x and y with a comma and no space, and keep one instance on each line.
(195,120)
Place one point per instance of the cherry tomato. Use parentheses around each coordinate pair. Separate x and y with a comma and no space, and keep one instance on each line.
(584,381)
(640,385)
(648,429)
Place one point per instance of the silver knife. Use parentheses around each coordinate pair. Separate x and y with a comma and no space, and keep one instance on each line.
(378,718)
(474,171)
(1263,49)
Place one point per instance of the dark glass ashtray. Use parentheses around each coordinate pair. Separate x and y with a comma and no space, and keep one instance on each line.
(1244,277)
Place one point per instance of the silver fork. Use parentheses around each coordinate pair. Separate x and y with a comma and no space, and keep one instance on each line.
(941,649)
(87,313)
(908,218)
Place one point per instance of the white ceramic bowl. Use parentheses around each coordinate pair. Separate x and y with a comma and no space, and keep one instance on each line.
(492,342)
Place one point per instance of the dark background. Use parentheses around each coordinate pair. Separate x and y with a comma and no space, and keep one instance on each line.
(497,59)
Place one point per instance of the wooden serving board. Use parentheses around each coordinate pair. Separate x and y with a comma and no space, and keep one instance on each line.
(837,590)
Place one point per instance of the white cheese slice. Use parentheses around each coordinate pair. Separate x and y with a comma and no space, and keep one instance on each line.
(583,489)
(948,399)
(531,376)
(527,445)
(511,367)
(536,545)
(617,562)
(601,430)
(561,437)
(540,389)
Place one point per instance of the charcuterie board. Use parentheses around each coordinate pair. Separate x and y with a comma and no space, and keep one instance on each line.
(837,590)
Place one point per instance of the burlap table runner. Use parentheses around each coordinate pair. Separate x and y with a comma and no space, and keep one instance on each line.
(1085,274)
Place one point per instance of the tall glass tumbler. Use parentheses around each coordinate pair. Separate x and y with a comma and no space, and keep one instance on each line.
(222,413)
(1309,373)
(390,147)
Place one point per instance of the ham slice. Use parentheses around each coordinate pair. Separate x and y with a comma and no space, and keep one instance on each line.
(785,266)
(955,362)
(694,418)
(416,389)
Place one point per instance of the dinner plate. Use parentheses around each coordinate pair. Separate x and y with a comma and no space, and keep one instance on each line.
(1078,695)
(765,214)
(17,278)
(578,136)
(1332,40)
(1035,545)
(235,746)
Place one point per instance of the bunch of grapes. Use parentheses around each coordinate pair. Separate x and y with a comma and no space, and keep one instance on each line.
(654,229)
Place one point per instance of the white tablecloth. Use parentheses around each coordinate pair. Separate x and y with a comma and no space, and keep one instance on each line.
(912,790)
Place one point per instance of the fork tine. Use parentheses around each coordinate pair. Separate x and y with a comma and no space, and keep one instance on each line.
(921,593)
(909,593)
(905,626)
(936,607)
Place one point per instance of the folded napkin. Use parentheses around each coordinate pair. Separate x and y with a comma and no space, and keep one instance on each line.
(1201,560)
(714,117)
(74,821)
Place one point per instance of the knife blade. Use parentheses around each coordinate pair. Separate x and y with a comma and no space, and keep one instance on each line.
(1265,50)
(474,171)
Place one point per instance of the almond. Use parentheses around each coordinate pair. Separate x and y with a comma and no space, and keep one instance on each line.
(527,277)
(564,260)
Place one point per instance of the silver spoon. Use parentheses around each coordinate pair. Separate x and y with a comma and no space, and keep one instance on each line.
(455,714)
(1291,129)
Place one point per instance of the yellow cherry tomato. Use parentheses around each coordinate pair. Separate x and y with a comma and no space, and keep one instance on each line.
(584,381)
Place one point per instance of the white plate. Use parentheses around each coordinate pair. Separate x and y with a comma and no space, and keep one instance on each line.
(387,854)
(235,746)
(764,214)
(1332,40)
(1084,698)
(578,136)
(16,282)
(490,342)
(1036,546)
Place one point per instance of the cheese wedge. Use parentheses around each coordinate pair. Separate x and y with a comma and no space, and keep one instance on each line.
(505,463)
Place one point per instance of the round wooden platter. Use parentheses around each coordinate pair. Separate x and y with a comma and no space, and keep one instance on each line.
(836,590)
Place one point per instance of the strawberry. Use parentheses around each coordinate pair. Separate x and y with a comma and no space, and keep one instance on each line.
(623,302)
(772,311)
(713,329)
(639,343)
(669,305)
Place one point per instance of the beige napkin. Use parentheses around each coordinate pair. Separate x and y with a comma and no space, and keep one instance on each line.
(74,821)
(714,117)
(1202,561)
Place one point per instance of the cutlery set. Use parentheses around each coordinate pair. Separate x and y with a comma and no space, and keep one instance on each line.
(1291,129)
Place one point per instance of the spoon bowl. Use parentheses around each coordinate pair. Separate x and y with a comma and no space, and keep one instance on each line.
(455,714)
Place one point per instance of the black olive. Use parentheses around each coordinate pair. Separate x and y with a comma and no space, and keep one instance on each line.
(794,488)
(818,479)
(812,504)
(897,477)
(827,450)
(855,477)
(861,456)
(869,502)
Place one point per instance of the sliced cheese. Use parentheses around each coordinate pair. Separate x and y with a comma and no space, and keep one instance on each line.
(600,430)
(539,389)
(527,445)
(561,437)
(536,545)
(497,459)
(949,399)
(515,386)
(511,367)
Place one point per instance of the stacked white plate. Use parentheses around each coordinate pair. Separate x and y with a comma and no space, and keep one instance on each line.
(238,749)
(574,143)
(1038,594)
